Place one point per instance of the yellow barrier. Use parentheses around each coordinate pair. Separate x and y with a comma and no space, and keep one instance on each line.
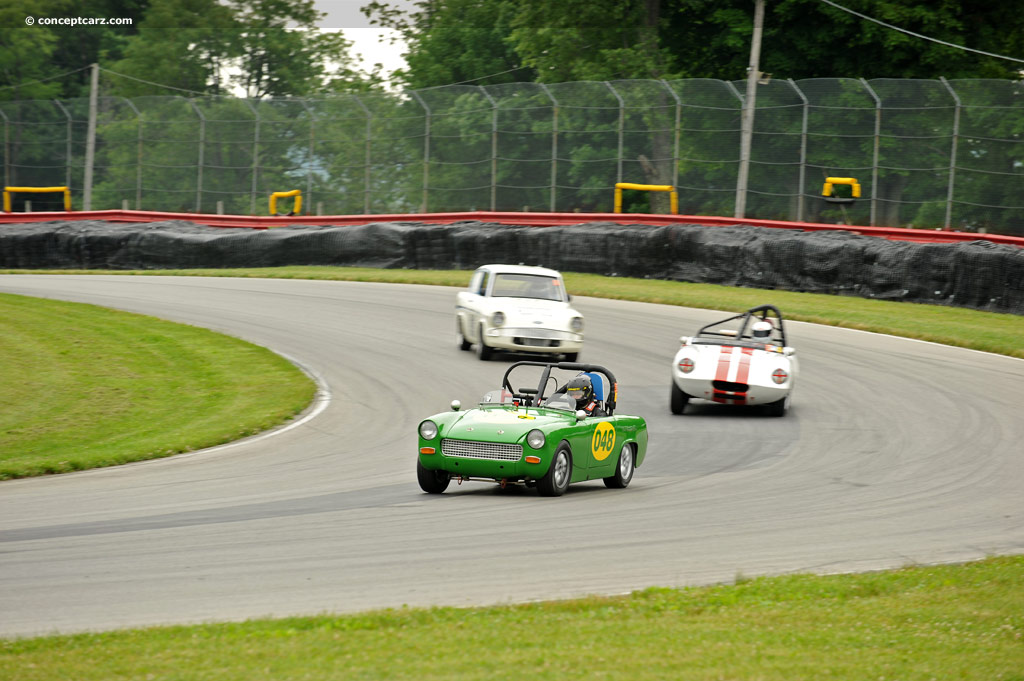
(673,196)
(826,191)
(297,193)
(35,190)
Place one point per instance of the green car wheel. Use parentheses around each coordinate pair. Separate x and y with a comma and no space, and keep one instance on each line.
(556,480)
(624,471)
(432,482)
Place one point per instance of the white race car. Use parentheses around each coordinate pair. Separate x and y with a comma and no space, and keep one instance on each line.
(743,359)
(518,309)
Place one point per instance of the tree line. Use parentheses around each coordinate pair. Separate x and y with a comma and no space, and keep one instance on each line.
(271,48)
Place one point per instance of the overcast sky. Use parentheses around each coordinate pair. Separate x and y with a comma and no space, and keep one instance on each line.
(369,41)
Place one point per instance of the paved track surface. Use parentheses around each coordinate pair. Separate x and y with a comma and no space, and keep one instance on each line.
(895,452)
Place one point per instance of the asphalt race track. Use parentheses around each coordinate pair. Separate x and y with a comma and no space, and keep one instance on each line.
(894,452)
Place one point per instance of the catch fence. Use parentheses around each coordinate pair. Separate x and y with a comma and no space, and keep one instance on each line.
(927,153)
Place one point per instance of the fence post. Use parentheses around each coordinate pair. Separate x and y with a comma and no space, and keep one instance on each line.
(738,202)
(138,154)
(554,144)
(367,155)
(67,149)
(803,154)
(312,149)
(675,135)
(90,138)
(622,128)
(255,156)
(876,152)
(494,148)
(952,153)
(7,149)
(426,151)
(200,156)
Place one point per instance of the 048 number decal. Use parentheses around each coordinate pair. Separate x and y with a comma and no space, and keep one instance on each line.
(604,441)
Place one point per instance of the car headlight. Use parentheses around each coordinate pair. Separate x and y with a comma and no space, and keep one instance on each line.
(498,318)
(686,365)
(535,439)
(428,430)
(576,324)
(780,376)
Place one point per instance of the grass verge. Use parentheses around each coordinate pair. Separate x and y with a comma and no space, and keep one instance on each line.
(987,331)
(947,622)
(86,387)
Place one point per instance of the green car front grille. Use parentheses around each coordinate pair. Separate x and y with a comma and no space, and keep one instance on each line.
(465,449)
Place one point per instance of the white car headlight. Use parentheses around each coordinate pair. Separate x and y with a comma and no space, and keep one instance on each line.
(428,430)
(498,318)
(576,324)
(535,439)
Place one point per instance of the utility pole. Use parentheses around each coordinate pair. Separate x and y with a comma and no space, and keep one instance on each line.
(747,116)
(90,139)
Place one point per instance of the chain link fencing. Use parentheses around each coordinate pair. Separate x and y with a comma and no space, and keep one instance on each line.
(927,153)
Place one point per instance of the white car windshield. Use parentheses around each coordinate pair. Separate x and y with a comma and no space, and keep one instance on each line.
(527,286)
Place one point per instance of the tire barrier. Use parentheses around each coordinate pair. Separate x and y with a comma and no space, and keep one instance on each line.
(975,274)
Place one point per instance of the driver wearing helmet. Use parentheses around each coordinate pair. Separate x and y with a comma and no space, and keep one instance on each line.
(581,389)
(761,331)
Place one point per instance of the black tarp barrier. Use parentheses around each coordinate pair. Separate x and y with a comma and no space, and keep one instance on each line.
(977,274)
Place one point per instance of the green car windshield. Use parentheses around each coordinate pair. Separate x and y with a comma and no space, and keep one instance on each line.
(504,397)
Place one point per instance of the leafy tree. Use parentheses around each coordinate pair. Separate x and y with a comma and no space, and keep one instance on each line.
(26,53)
(813,39)
(29,77)
(582,40)
(183,44)
(455,41)
(82,45)
(450,40)
(282,53)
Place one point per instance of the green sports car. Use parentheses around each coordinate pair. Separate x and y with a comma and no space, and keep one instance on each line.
(535,434)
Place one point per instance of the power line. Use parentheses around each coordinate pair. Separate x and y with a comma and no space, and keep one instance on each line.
(149,82)
(472,80)
(918,35)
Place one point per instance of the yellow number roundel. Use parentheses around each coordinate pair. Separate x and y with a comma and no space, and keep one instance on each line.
(604,441)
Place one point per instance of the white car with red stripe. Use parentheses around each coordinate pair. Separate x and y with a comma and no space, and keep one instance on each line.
(740,360)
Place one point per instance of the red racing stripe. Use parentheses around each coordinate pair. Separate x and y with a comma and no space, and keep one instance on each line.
(744,370)
(724,360)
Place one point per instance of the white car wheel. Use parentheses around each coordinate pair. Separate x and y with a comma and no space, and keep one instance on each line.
(779,407)
(483,350)
(460,338)
(679,400)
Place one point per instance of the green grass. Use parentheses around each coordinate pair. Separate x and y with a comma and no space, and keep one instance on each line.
(988,331)
(86,387)
(947,622)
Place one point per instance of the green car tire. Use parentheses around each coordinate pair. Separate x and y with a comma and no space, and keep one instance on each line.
(556,480)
